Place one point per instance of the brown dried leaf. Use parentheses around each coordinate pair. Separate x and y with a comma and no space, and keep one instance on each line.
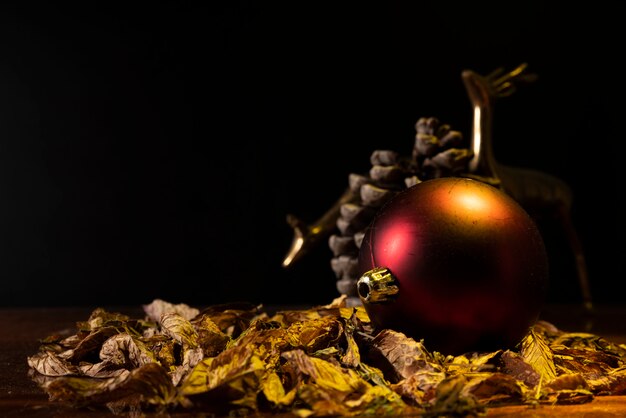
(420,387)
(514,365)
(90,345)
(102,318)
(151,382)
(568,382)
(399,356)
(615,385)
(126,351)
(613,354)
(352,355)
(191,357)
(210,336)
(568,397)
(50,364)
(492,388)
(591,364)
(233,318)
(155,310)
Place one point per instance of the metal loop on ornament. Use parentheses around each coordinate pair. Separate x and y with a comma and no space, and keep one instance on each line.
(377,286)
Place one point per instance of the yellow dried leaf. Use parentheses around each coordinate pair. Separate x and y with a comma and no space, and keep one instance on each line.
(274,390)
(536,352)
(224,369)
(315,334)
(326,374)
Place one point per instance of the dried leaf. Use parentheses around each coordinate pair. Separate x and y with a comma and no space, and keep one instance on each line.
(49,364)
(420,387)
(315,334)
(615,385)
(233,318)
(101,318)
(568,382)
(179,329)
(352,355)
(514,365)
(151,382)
(592,364)
(400,356)
(492,388)
(274,391)
(90,345)
(381,401)
(158,307)
(451,401)
(536,352)
(210,336)
(320,362)
(228,368)
(472,362)
(324,374)
(124,350)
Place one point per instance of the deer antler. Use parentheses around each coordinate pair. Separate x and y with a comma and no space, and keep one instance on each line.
(504,84)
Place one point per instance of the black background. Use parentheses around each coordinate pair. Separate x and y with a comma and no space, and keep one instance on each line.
(154,150)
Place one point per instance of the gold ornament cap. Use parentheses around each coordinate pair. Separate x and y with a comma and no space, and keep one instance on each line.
(377,285)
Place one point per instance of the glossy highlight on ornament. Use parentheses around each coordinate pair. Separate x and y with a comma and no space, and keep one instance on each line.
(469,264)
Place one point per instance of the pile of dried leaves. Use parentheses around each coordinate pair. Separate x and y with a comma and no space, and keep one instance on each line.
(237,359)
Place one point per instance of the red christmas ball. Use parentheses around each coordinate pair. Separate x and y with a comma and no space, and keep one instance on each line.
(455,262)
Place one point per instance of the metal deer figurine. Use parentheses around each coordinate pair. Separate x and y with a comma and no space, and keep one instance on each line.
(541,194)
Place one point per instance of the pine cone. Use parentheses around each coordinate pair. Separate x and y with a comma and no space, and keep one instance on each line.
(438,151)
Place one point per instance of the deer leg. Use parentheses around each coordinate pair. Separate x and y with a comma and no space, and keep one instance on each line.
(577,249)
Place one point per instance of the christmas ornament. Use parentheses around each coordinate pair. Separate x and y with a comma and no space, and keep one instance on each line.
(456,262)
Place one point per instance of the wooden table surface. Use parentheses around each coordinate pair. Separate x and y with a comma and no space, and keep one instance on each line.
(21,329)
